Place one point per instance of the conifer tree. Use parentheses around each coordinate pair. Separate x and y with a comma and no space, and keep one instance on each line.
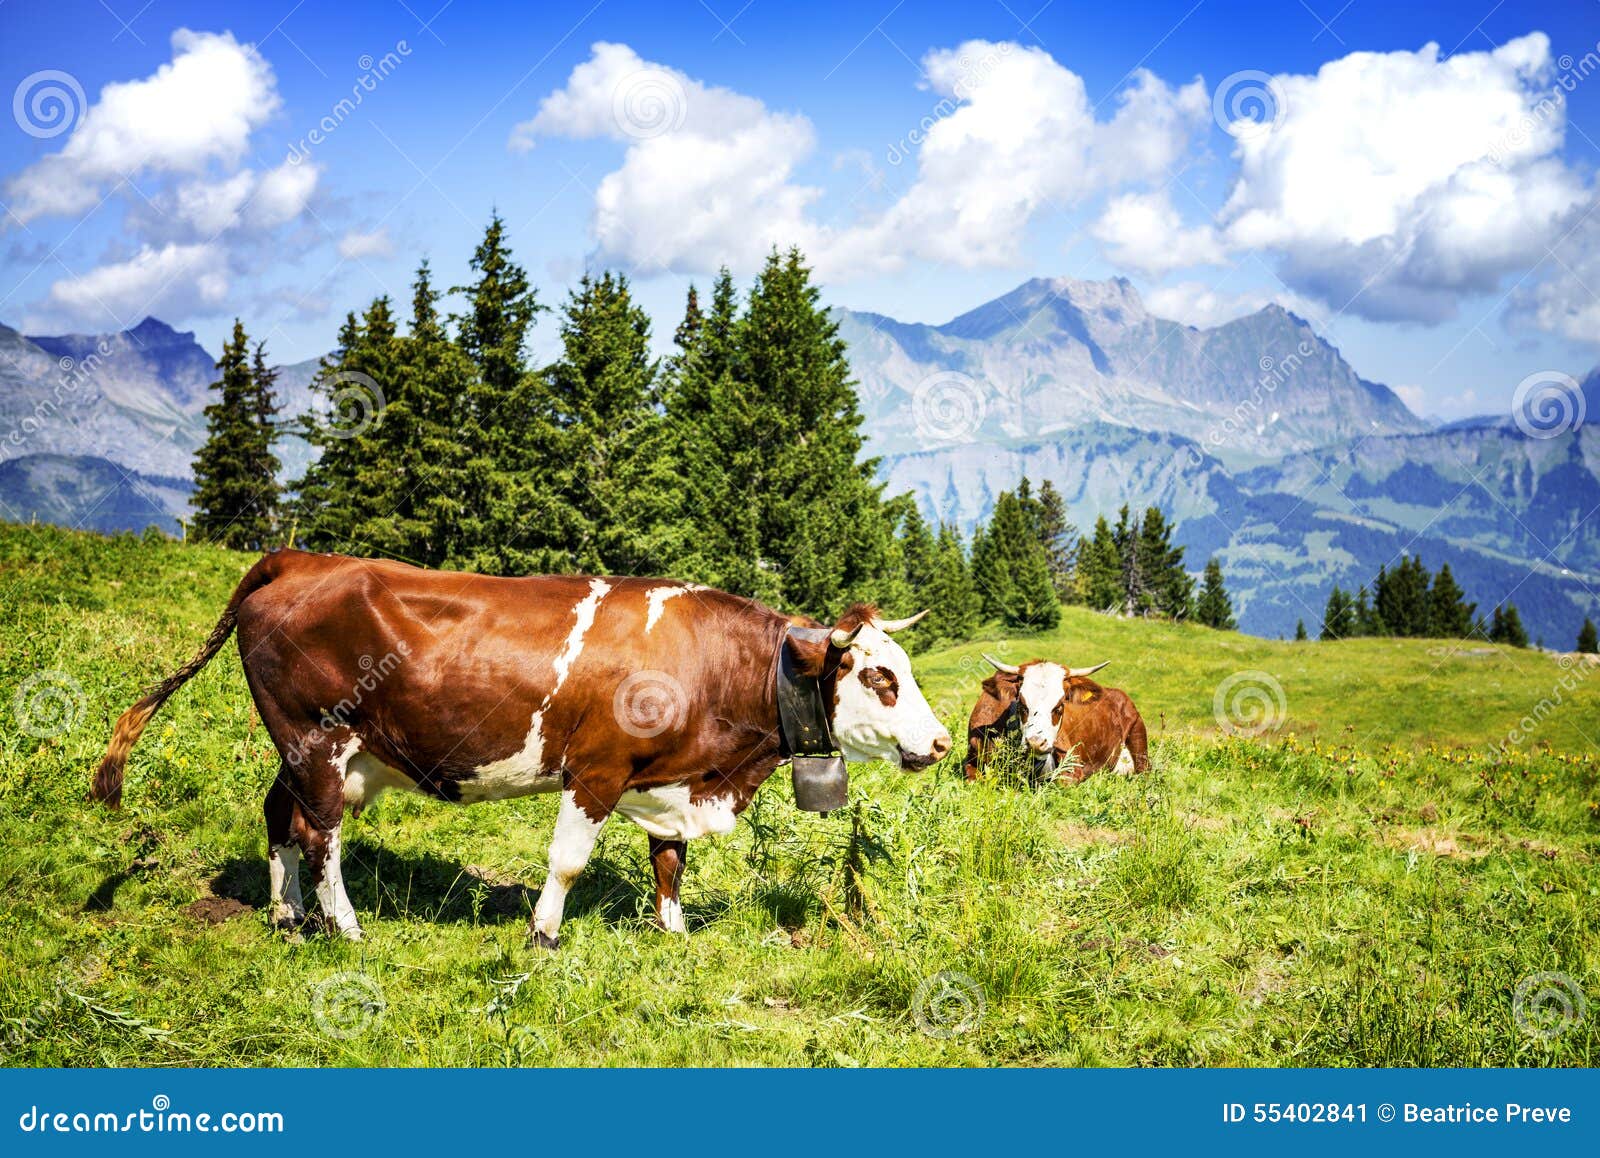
(1060,539)
(1338,620)
(346,489)
(1365,617)
(824,536)
(236,490)
(1507,627)
(1449,614)
(1214,608)
(1099,572)
(1588,641)
(1401,598)
(1167,586)
(991,574)
(1300,631)
(950,593)
(504,508)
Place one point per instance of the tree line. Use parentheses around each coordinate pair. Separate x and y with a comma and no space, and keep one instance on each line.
(734,461)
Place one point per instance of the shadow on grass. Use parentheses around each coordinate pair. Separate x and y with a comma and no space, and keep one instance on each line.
(422,886)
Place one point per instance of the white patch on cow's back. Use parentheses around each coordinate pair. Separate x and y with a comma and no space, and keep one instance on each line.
(669,814)
(525,772)
(656,600)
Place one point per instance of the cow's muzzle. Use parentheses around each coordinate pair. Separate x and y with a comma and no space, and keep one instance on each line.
(916,763)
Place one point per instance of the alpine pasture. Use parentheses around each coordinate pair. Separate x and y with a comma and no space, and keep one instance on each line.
(1346,854)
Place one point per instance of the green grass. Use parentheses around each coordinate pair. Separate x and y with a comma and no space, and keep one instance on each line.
(1364,884)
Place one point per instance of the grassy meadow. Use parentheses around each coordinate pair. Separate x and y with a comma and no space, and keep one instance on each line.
(1332,863)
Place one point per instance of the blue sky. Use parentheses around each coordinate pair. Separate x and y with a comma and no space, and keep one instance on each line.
(1424,209)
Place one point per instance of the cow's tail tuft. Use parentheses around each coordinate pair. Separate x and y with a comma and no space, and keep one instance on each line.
(107,784)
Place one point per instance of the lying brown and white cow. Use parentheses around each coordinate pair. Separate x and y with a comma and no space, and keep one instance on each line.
(645,697)
(1060,714)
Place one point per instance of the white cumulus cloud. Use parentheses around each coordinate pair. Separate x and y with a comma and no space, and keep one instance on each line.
(355,245)
(707,176)
(174,280)
(1143,232)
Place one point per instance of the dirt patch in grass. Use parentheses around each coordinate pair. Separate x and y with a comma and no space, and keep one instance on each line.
(1455,846)
(215,910)
(1076,834)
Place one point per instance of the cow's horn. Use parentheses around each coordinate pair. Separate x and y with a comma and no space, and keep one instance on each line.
(1086,671)
(893,625)
(842,639)
(1008,668)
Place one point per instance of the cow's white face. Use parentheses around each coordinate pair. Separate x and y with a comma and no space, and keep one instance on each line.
(1044,686)
(880,713)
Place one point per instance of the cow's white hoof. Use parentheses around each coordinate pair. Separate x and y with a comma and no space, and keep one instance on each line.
(353,933)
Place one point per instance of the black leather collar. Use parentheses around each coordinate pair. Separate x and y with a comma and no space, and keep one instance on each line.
(802,716)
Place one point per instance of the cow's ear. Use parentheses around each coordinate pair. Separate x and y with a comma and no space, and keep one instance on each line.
(1081,691)
(809,652)
(999,693)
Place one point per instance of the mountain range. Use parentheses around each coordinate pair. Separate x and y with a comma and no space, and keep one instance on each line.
(1256,436)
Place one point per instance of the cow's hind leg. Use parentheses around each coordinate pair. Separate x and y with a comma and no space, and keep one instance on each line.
(286,908)
(578,823)
(318,790)
(668,857)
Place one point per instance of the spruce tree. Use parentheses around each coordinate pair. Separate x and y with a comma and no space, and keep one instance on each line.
(1401,598)
(1366,620)
(236,489)
(823,534)
(600,432)
(1338,620)
(1507,627)
(1450,615)
(951,594)
(1588,641)
(1214,608)
(1099,572)
(1300,631)
(992,575)
(1060,539)
(1167,586)
(1135,595)
(503,501)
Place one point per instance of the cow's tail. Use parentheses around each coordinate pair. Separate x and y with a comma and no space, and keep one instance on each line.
(107,784)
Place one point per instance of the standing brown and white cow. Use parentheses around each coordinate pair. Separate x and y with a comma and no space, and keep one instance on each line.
(646,697)
(1060,714)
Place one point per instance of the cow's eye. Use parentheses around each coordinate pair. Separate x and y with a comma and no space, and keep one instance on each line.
(1055,716)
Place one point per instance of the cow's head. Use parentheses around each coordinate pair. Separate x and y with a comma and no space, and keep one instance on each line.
(1042,689)
(877,710)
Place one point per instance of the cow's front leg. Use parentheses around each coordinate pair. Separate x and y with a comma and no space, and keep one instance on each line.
(578,823)
(668,857)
